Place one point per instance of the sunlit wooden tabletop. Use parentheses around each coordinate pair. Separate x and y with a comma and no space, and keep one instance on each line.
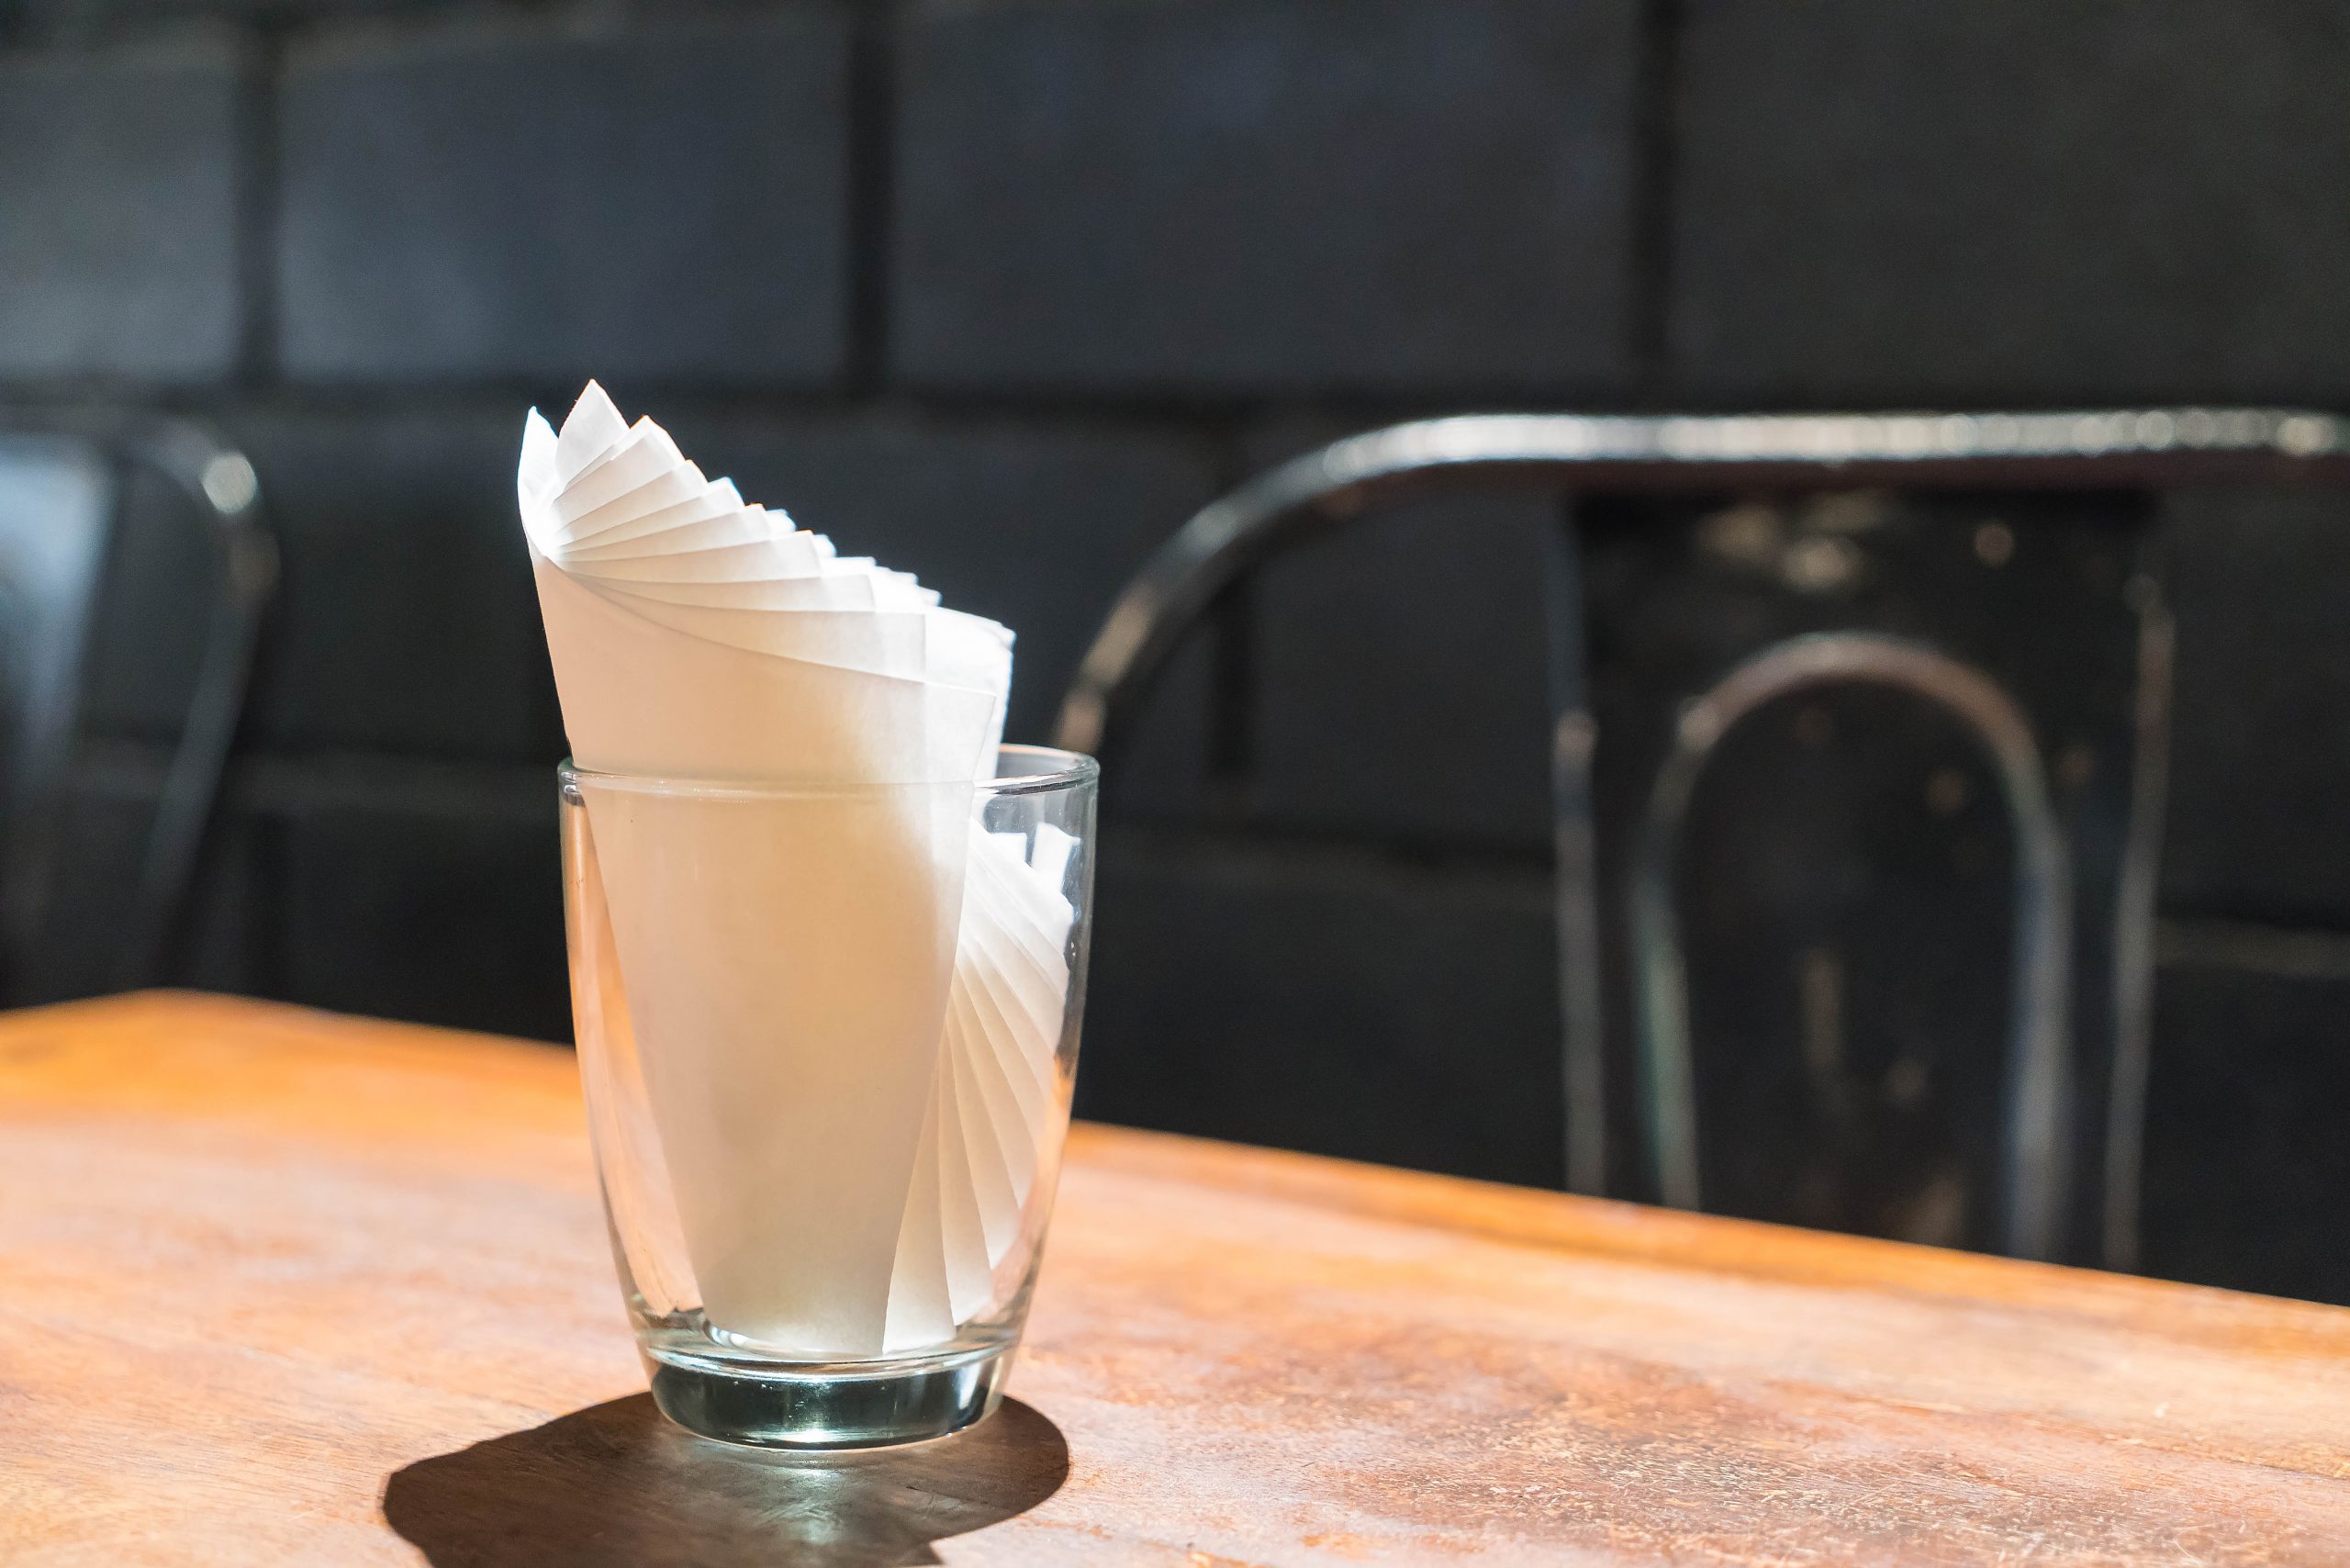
(282,1287)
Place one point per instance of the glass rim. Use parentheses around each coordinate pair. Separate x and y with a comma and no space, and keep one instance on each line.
(1048,768)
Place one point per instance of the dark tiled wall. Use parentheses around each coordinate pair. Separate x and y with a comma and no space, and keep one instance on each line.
(2008,202)
(1389,196)
(120,174)
(1002,289)
(655,205)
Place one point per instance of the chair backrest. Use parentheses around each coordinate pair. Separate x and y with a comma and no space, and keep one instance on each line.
(57,504)
(64,480)
(1830,542)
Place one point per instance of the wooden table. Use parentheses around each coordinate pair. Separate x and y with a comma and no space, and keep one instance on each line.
(279,1287)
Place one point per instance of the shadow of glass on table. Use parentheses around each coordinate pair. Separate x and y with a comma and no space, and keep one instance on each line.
(616,1485)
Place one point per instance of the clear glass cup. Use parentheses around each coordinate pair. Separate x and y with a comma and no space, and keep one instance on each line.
(827,1036)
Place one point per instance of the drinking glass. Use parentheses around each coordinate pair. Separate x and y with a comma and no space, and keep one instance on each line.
(828,1115)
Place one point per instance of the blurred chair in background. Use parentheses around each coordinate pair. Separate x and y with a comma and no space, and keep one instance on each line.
(1784,591)
(64,490)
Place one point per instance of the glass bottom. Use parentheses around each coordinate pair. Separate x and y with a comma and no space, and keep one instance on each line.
(773,1405)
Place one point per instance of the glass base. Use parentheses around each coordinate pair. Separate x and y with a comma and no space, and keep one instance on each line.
(839,1406)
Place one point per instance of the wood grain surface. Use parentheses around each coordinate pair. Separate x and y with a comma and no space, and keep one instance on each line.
(279,1287)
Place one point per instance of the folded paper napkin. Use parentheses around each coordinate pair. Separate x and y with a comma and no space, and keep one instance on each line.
(843,994)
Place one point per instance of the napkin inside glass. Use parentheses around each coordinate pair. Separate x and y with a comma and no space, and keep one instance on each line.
(844,995)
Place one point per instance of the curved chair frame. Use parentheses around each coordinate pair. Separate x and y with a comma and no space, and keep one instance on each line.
(218,482)
(1566,454)
(2038,1151)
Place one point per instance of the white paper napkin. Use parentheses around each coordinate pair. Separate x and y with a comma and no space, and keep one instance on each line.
(845,1003)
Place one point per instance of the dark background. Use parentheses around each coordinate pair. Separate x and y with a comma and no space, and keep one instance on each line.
(1002,290)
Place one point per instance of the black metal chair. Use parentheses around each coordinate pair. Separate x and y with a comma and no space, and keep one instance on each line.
(65,481)
(1831,549)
